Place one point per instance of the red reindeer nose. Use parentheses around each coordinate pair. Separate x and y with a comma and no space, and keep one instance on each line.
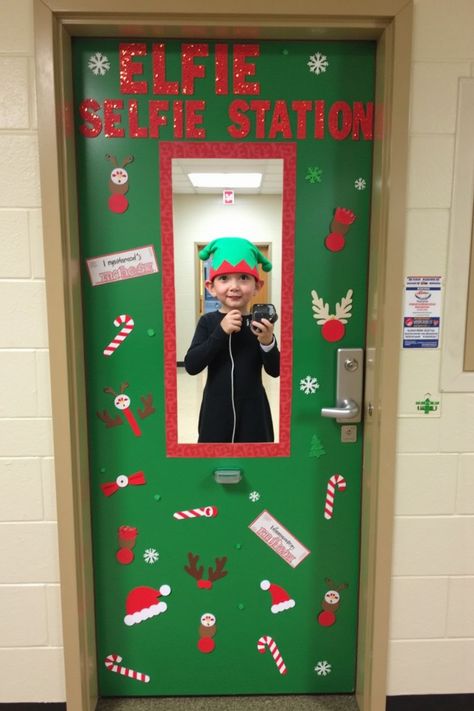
(204,584)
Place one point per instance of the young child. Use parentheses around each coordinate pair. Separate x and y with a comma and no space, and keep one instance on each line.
(234,406)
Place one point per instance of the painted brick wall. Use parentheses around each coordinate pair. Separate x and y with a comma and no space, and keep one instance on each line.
(432,621)
(31,656)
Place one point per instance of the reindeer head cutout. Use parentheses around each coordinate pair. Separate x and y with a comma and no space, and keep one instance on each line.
(119,176)
(121,401)
(197,572)
(332,597)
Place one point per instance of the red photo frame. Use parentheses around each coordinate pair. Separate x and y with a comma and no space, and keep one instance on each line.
(282,151)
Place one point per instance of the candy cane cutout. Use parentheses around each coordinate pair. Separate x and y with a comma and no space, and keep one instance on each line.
(335,481)
(111,663)
(122,334)
(207,511)
(268,641)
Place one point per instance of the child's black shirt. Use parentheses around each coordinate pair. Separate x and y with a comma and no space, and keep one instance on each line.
(210,348)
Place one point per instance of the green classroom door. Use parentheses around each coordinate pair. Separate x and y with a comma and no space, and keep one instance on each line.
(222,568)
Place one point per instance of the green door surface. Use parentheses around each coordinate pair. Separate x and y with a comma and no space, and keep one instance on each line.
(204,586)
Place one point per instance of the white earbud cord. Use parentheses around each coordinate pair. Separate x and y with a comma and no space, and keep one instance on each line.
(232,387)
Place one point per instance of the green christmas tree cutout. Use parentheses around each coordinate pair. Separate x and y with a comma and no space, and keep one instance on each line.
(316,448)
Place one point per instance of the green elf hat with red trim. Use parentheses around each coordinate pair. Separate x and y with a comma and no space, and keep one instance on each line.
(231,255)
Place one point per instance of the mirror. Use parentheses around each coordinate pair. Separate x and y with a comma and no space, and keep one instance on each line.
(191,218)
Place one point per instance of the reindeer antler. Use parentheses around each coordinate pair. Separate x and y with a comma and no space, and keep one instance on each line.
(112,159)
(127,160)
(192,568)
(123,387)
(110,391)
(321,310)
(109,421)
(219,571)
(148,408)
(343,309)
(332,584)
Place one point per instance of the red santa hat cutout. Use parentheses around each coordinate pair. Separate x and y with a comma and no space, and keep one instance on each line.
(281,601)
(143,603)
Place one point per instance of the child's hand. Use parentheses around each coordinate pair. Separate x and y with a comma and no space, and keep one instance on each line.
(232,321)
(263,330)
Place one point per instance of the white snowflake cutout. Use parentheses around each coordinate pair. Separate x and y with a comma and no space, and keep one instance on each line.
(151,555)
(309,385)
(254,496)
(318,63)
(323,668)
(99,64)
(360,184)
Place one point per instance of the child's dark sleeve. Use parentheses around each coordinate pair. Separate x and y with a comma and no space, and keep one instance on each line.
(204,347)
(271,361)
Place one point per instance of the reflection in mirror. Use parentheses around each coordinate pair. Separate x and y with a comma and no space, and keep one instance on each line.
(203,214)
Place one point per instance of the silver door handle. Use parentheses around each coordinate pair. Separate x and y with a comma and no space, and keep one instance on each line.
(349,382)
(347,410)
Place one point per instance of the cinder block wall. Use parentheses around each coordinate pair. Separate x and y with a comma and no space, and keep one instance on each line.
(31,656)
(432,623)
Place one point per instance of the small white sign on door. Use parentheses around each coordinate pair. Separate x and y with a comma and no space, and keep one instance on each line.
(118,266)
(279,538)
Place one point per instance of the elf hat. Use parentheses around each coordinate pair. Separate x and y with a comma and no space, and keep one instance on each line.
(142,603)
(231,255)
(281,601)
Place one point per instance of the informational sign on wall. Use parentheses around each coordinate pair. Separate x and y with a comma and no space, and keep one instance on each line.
(422,312)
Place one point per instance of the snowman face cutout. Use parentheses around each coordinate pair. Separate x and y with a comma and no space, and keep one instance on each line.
(122,402)
(332,597)
(208,619)
(119,176)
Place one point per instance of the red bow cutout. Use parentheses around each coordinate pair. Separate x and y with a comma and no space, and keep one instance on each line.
(122,481)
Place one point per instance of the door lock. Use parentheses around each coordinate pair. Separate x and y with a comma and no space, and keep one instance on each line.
(349,382)
(351,364)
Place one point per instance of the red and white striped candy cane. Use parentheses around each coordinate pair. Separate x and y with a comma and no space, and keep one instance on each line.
(335,481)
(268,641)
(206,511)
(112,664)
(122,334)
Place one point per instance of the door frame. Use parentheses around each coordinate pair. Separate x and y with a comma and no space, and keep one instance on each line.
(389,22)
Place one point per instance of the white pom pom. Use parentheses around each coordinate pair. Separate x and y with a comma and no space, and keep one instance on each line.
(265,584)
(165,590)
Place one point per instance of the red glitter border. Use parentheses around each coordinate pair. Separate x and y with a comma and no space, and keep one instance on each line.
(286,152)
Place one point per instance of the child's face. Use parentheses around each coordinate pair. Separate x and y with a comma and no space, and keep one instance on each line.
(234,291)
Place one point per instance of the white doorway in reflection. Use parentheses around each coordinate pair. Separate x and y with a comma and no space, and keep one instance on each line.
(199,216)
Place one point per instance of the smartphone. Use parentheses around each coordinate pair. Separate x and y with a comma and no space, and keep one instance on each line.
(267,311)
